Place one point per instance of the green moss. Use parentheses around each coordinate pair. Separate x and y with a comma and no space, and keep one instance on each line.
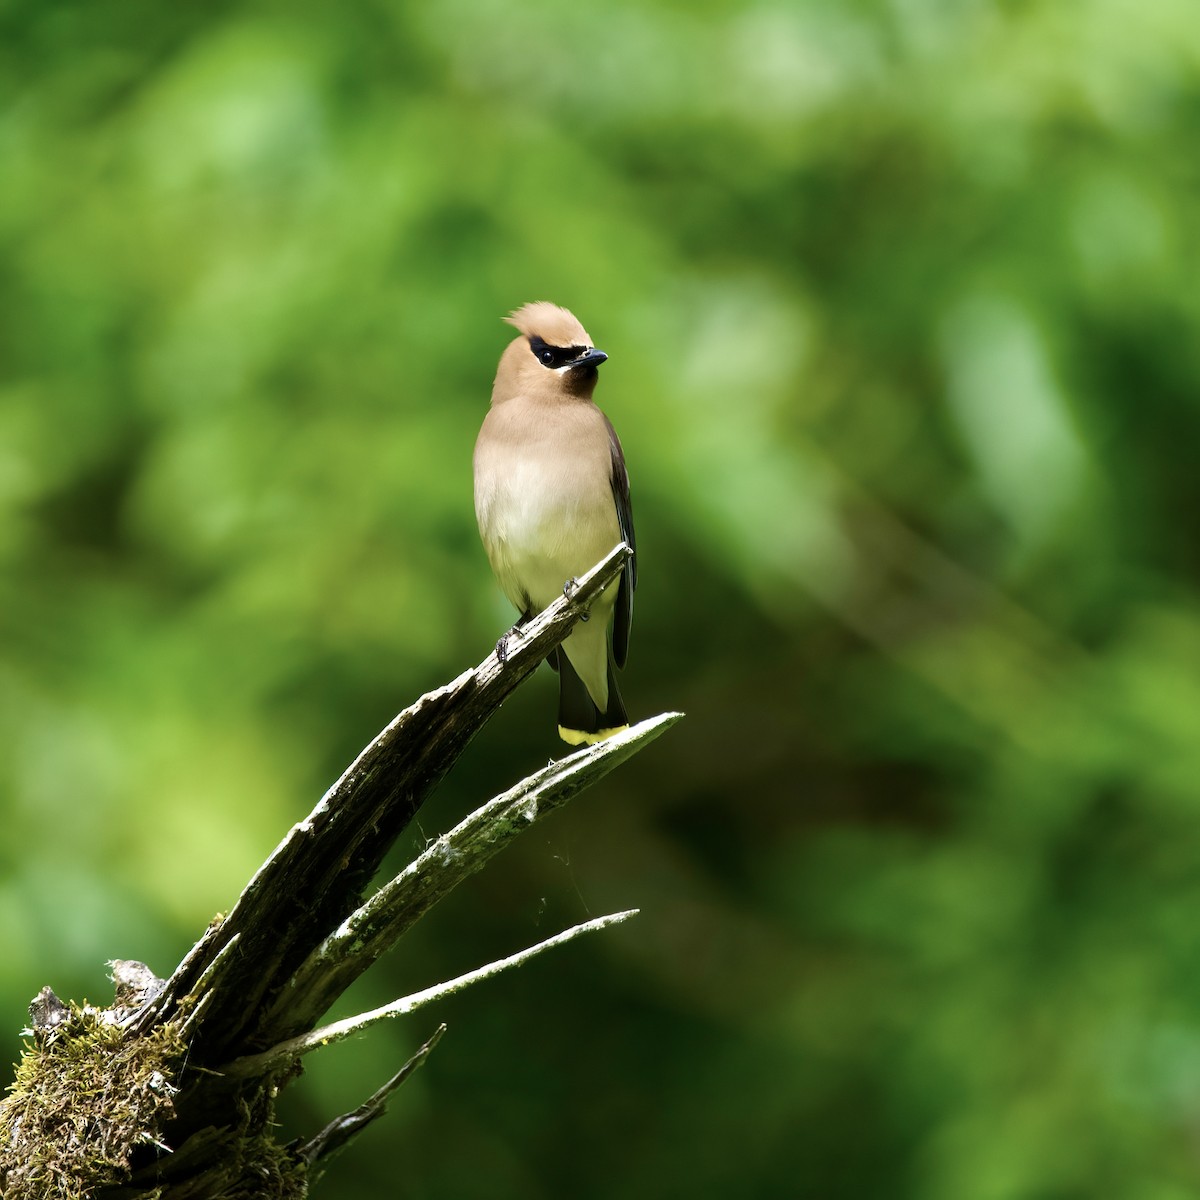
(86,1096)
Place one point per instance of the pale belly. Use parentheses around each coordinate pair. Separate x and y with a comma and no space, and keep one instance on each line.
(540,532)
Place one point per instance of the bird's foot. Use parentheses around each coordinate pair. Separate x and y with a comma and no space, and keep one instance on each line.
(569,590)
(514,632)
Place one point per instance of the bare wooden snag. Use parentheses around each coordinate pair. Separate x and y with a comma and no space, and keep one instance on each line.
(170,1093)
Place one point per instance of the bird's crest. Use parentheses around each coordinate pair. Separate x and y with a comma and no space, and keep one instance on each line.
(554,325)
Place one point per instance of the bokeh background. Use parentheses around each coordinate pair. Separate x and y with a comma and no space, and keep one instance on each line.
(904,326)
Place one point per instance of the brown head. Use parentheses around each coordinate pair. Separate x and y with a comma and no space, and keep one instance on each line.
(553,359)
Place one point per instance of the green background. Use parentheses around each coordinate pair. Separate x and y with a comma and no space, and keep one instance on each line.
(904,328)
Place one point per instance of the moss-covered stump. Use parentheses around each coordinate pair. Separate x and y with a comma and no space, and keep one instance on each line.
(93,1108)
(88,1095)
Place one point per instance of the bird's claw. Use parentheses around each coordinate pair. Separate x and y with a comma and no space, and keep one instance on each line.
(569,590)
(502,644)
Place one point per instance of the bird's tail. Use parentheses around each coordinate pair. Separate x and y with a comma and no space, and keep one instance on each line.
(580,722)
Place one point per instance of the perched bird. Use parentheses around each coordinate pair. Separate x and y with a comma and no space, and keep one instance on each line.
(552,499)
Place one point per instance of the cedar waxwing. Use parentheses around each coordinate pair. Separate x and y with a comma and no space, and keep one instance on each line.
(552,499)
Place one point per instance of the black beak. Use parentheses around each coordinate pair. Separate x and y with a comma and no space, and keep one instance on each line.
(593,358)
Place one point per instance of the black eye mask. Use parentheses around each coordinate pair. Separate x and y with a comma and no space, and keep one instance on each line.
(554,356)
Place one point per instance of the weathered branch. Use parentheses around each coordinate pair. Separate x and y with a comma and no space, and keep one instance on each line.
(349,1125)
(375,926)
(281,1057)
(317,875)
(241,1008)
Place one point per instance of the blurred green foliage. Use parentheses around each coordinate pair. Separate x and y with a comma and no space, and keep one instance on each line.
(905,353)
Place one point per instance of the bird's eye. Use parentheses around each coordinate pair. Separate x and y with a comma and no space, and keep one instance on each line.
(551,356)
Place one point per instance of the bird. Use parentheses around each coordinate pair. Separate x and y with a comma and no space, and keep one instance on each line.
(552,499)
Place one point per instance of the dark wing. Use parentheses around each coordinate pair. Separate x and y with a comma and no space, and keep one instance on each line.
(620,488)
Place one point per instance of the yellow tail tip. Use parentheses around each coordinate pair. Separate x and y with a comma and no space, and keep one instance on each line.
(580,737)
